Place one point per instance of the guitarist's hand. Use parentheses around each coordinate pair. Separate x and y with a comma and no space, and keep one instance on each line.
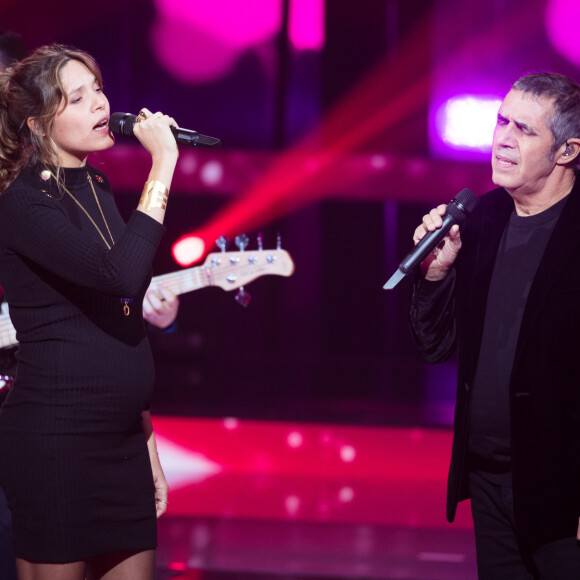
(160,307)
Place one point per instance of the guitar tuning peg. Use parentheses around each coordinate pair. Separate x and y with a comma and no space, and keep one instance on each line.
(260,242)
(242,241)
(221,243)
(242,297)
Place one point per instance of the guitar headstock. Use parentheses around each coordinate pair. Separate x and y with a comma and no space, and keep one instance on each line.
(231,270)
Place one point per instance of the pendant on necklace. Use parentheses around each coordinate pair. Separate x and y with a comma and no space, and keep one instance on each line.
(126,302)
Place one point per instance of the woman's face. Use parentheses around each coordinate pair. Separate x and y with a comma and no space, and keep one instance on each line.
(82,126)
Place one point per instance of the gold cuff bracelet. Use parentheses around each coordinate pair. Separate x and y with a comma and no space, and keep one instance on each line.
(154,195)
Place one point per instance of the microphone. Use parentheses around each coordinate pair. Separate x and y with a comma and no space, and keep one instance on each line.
(123,123)
(457,210)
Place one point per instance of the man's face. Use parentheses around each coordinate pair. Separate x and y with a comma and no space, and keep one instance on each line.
(522,161)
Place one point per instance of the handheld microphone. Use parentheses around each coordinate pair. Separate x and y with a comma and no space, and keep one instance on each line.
(457,210)
(123,123)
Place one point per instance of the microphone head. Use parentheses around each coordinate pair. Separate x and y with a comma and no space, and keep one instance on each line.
(462,205)
(122,124)
(466,199)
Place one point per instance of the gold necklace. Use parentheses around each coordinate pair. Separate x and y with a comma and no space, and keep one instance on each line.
(87,213)
(124,301)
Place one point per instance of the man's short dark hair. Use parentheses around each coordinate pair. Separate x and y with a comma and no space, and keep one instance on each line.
(564,122)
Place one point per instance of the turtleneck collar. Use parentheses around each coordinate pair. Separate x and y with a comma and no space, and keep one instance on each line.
(73,178)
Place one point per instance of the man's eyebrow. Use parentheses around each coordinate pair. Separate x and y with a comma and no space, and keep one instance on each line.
(525,127)
(519,124)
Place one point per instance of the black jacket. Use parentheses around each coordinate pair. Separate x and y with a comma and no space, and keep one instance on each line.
(545,379)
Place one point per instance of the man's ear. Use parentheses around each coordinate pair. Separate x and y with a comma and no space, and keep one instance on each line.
(568,152)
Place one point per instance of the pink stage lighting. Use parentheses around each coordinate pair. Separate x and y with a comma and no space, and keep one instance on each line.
(188,250)
(562,18)
(305,472)
(465,124)
(203,41)
(306,26)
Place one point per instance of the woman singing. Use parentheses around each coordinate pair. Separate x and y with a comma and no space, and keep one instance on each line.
(78,460)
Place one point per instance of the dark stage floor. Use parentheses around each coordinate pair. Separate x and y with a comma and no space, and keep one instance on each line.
(260,501)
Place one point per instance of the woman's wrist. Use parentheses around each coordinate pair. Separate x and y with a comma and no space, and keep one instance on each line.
(154,196)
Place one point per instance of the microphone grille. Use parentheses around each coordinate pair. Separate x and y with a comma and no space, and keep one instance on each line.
(462,205)
(466,199)
(122,124)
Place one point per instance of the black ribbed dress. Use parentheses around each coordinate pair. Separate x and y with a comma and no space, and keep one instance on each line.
(73,457)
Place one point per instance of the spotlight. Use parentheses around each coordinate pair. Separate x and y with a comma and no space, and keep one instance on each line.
(188,249)
(466,122)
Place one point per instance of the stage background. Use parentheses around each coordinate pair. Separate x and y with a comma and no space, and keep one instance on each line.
(327,344)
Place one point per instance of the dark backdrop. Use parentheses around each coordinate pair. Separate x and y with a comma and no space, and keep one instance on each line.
(328,343)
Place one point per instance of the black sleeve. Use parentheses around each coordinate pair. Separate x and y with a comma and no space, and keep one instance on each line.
(432,317)
(39,229)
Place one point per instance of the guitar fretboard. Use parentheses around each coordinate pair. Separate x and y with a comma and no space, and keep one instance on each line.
(183,281)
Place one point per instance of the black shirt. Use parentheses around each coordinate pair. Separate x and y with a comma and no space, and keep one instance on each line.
(519,254)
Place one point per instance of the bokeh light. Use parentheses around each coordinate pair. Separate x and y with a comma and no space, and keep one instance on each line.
(562,19)
(188,250)
(468,121)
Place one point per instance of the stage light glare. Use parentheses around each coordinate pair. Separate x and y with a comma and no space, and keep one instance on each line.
(347,453)
(292,505)
(231,423)
(177,566)
(379,162)
(295,439)
(183,466)
(467,121)
(562,19)
(240,24)
(187,163)
(188,250)
(218,33)
(212,173)
(346,494)
(306,26)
